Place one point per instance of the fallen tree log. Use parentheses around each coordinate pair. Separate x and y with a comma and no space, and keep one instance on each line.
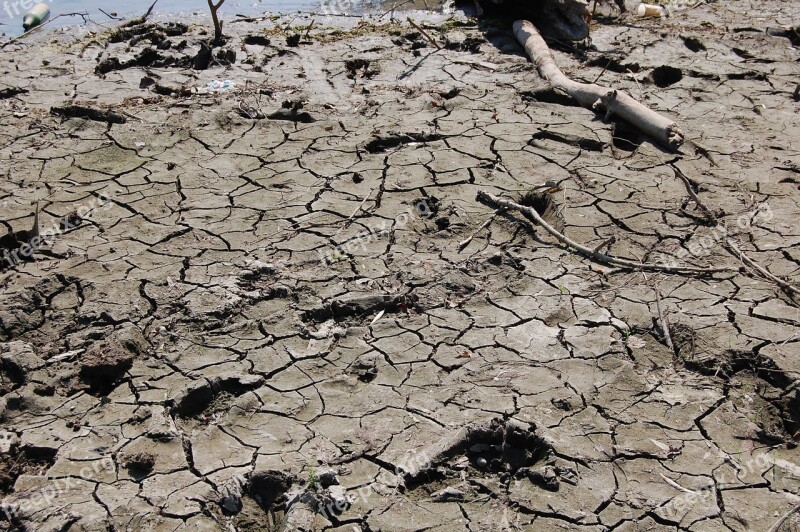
(613,102)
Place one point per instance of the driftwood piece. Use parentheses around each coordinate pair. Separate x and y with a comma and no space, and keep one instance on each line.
(613,102)
(139,20)
(532,215)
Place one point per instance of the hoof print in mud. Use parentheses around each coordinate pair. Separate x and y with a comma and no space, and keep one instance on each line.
(252,494)
(17,460)
(358,309)
(268,487)
(213,394)
(495,448)
(365,368)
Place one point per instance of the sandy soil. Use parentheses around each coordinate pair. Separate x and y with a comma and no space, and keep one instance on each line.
(254,311)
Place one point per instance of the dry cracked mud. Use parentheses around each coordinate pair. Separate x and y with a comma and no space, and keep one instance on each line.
(279,306)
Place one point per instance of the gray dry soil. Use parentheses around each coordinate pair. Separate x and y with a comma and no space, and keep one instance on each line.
(259,318)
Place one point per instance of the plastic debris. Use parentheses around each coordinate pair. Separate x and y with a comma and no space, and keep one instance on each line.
(217,85)
(650,10)
(35,16)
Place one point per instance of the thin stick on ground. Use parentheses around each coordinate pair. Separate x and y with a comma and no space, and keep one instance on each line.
(358,209)
(678,486)
(747,261)
(605,243)
(693,194)
(497,201)
(595,97)
(483,226)
(664,323)
(730,244)
(393,8)
(784,522)
(83,14)
(424,33)
(308,30)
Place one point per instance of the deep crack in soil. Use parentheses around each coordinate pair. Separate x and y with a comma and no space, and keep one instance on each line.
(276,304)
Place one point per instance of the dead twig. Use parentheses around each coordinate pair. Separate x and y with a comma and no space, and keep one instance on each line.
(391,10)
(130,115)
(730,244)
(677,486)
(605,243)
(358,209)
(531,213)
(424,33)
(485,224)
(602,72)
(784,523)
(139,20)
(690,189)
(747,261)
(308,30)
(83,14)
(109,15)
(664,323)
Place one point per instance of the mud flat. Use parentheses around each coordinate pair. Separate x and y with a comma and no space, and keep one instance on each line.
(278,304)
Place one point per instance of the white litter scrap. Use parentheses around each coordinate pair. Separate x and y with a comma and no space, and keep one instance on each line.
(634,342)
(378,316)
(217,85)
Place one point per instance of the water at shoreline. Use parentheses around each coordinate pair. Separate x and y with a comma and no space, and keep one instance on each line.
(11,11)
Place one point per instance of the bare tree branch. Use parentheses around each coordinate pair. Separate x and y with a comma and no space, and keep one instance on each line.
(214,17)
(139,20)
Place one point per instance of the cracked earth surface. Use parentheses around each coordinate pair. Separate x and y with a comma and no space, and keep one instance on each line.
(265,310)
